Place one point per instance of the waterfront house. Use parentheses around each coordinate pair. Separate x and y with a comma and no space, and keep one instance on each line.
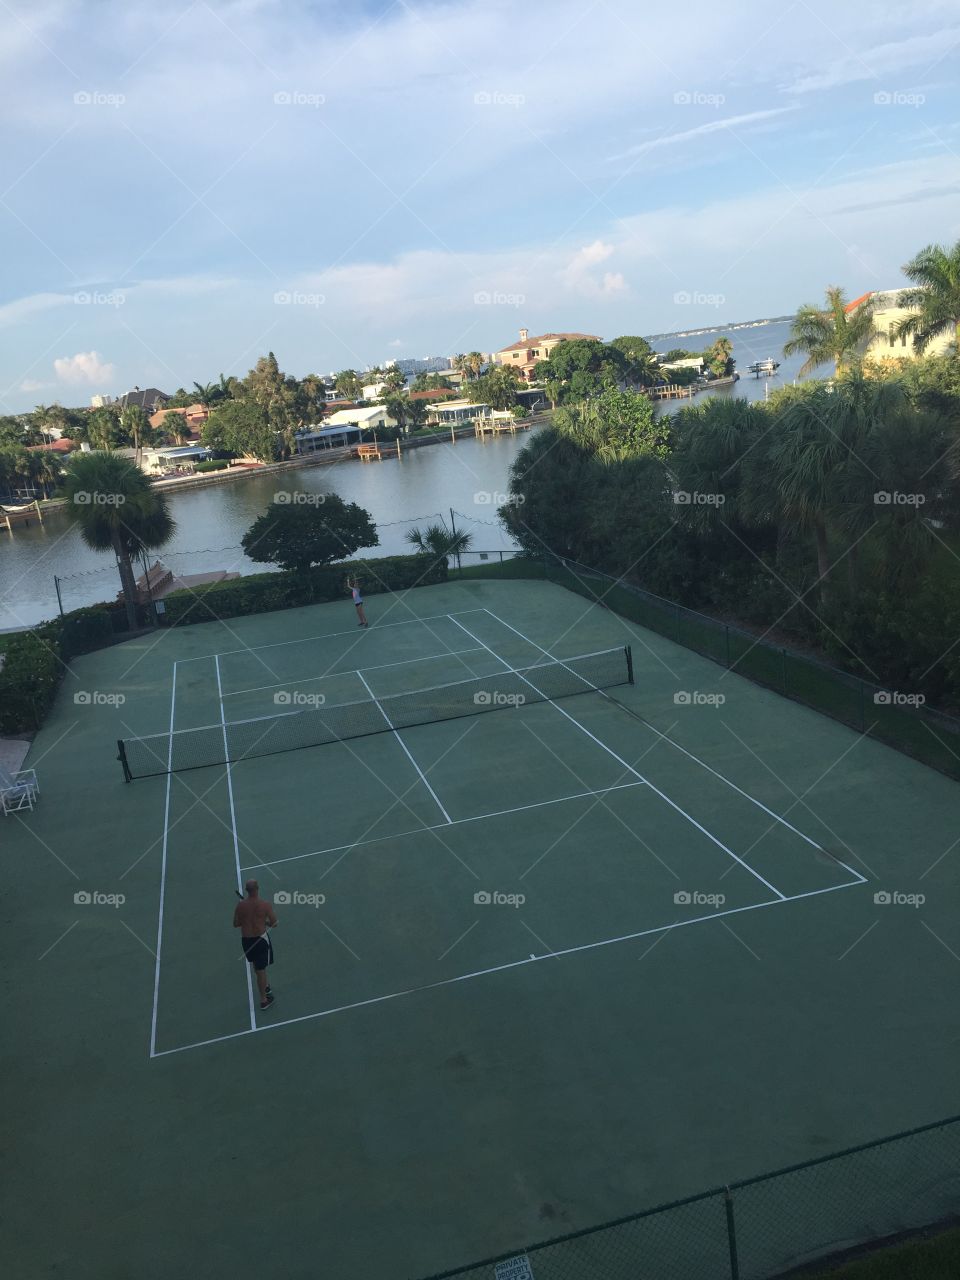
(366,417)
(528,352)
(886,316)
(457,412)
(150,401)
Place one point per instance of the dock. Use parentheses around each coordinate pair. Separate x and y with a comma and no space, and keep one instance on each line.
(673,391)
(763,368)
(11,516)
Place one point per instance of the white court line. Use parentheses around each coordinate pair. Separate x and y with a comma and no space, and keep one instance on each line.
(703,764)
(423,776)
(163,869)
(349,671)
(702,829)
(440,826)
(233,826)
(500,968)
(326,635)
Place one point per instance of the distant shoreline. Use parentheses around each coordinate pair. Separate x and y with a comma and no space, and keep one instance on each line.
(712,328)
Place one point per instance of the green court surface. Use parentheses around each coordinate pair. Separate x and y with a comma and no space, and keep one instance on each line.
(535,968)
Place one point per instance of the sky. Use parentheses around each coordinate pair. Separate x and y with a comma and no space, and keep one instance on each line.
(185,186)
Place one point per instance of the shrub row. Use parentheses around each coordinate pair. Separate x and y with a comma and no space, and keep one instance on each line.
(34,662)
(263,592)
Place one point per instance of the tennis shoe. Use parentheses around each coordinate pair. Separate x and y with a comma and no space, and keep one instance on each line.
(265,1004)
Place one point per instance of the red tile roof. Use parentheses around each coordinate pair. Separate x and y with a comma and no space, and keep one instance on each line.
(548,337)
(63,445)
(852,306)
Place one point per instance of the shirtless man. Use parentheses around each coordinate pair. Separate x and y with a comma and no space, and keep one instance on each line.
(251,917)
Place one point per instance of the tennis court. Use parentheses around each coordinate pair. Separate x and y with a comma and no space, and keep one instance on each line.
(545,883)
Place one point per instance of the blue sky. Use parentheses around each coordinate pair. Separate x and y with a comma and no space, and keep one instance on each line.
(187,185)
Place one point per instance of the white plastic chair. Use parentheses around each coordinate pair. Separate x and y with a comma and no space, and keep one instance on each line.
(19,790)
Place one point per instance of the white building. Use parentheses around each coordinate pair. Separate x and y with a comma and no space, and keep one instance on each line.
(367,418)
(100,402)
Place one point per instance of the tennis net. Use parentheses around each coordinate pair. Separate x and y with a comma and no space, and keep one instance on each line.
(231,741)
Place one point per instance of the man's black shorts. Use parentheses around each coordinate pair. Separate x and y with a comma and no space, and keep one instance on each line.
(259,951)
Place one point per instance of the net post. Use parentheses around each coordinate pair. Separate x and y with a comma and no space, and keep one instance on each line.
(628,650)
(122,757)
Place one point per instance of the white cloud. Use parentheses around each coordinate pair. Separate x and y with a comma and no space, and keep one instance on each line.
(395,342)
(84,369)
(701,130)
(22,308)
(887,60)
(30,384)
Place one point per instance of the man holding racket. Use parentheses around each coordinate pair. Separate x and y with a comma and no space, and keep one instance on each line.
(252,916)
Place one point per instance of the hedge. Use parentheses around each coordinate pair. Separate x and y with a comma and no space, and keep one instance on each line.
(34,661)
(213,464)
(264,592)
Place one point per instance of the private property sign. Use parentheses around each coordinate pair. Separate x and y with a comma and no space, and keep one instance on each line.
(517,1268)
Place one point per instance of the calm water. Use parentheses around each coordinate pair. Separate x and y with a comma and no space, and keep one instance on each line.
(419,488)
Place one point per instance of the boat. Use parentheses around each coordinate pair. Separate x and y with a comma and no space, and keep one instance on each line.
(766,367)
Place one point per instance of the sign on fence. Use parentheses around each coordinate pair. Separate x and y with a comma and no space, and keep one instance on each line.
(517,1268)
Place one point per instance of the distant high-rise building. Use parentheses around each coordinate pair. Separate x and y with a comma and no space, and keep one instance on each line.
(429,364)
(100,402)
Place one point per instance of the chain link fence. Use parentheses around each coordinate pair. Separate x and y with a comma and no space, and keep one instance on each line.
(762,1227)
(901,721)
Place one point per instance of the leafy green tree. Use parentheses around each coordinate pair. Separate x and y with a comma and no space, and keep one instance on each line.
(395,380)
(347,384)
(298,536)
(103,429)
(935,272)
(642,368)
(430,382)
(831,334)
(616,425)
(243,427)
(116,509)
(584,368)
(265,383)
(417,411)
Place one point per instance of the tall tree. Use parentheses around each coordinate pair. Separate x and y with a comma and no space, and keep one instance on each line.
(347,384)
(935,272)
(116,509)
(298,537)
(831,334)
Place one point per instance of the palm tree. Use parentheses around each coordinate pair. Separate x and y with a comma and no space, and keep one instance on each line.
(936,272)
(462,365)
(475,362)
(347,384)
(206,392)
(397,407)
(553,390)
(115,508)
(719,357)
(440,542)
(835,333)
(417,411)
(226,388)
